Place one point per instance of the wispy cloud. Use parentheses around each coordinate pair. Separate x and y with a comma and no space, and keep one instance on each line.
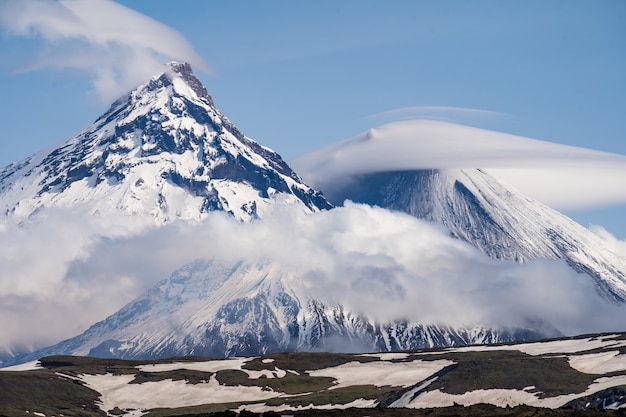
(119,47)
(564,177)
(443,113)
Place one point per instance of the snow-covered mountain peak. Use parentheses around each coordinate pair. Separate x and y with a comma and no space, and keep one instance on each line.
(184,71)
(161,152)
(492,216)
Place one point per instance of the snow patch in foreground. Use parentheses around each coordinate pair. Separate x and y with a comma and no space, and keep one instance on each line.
(262,408)
(387,356)
(215,366)
(397,374)
(28,366)
(508,397)
(556,346)
(202,366)
(116,391)
(599,363)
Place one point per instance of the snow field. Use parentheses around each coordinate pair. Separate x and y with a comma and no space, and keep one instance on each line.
(261,408)
(599,363)
(28,366)
(205,366)
(116,391)
(215,366)
(385,373)
(506,397)
(388,356)
(556,346)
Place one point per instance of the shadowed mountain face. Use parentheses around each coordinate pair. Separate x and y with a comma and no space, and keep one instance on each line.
(496,219)
(161,153)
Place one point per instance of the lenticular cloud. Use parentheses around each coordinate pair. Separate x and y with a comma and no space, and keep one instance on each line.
(563,177)
(118,46)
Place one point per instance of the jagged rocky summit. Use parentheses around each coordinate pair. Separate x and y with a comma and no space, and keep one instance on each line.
(163,152)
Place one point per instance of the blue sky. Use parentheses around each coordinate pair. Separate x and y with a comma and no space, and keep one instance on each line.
(296,76)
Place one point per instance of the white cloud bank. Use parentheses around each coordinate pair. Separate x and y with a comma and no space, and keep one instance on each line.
(120,47)
(563,177)
(67,271)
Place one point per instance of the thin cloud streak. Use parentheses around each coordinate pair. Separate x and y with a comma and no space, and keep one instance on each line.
(119,47)
(443,113)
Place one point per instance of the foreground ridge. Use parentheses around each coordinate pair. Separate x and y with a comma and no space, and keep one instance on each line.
(581,373)
(221,309)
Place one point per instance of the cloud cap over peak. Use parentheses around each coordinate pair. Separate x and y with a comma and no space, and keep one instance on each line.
(564,177)
(120,47)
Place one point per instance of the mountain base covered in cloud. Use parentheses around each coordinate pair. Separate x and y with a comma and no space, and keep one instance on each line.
(355,278)
(216,309)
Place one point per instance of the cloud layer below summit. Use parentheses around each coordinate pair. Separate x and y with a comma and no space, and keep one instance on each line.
(69,271)
(117,46)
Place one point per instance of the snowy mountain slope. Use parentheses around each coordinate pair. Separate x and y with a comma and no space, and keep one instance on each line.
(161,153)
(497,219)
(218,309)
(444,173)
